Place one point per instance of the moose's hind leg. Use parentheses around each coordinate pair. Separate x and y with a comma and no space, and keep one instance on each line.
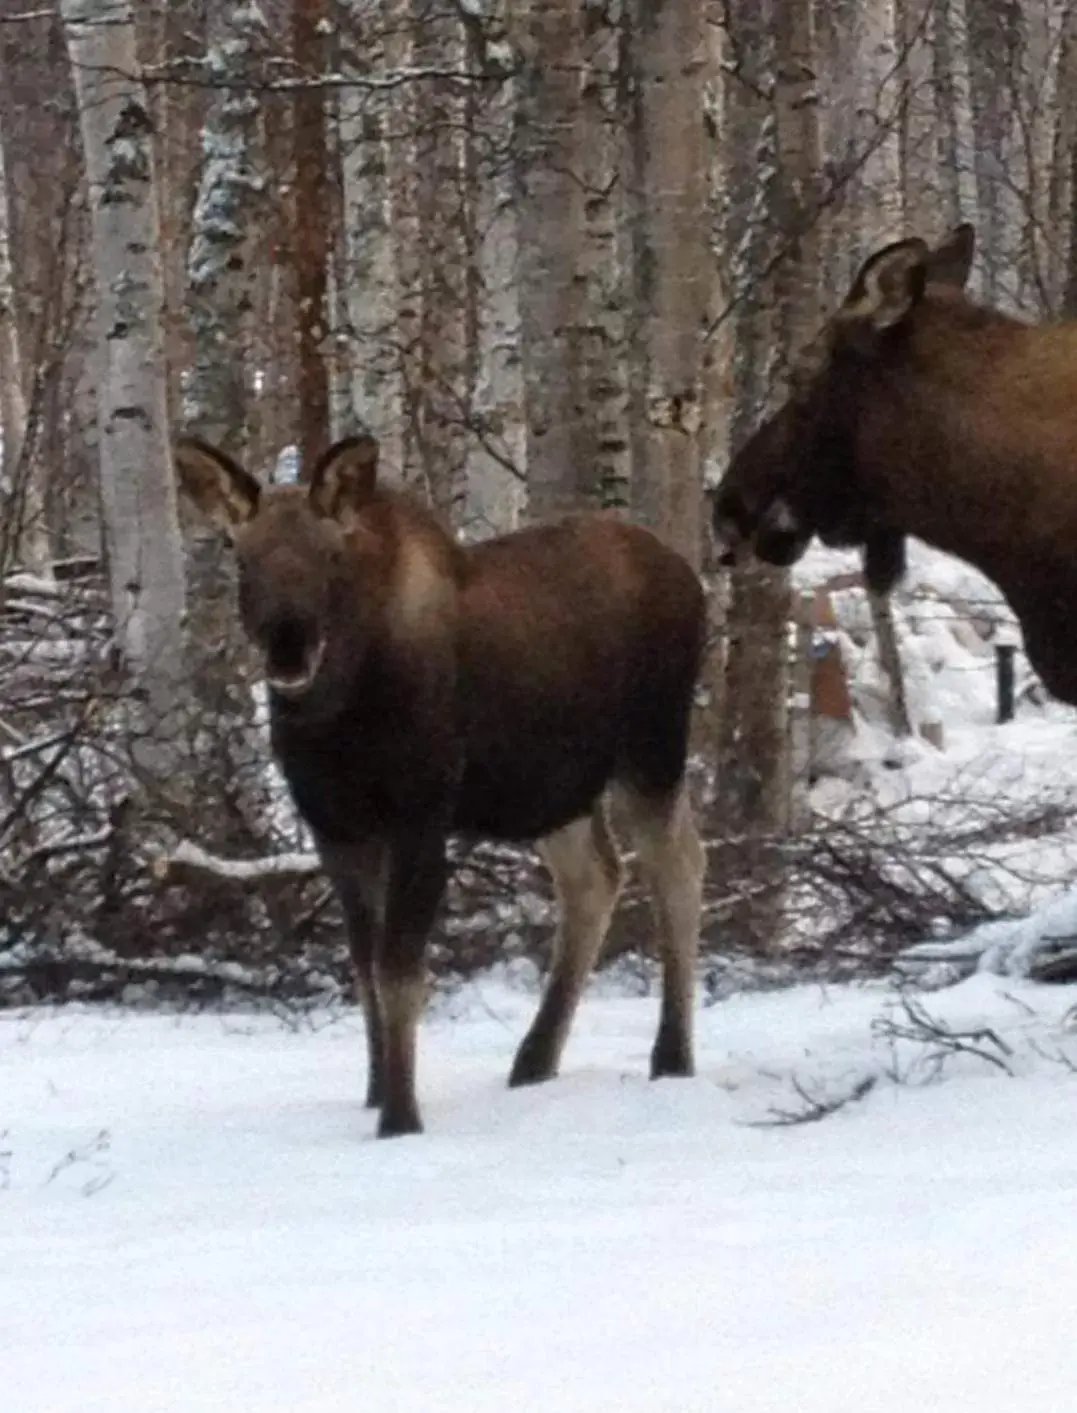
(673,863)
(587,876)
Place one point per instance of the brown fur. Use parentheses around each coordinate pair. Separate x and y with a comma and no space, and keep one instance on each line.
(420,689)
(918,412)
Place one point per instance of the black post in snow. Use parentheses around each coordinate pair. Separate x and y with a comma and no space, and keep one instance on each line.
(1004,679)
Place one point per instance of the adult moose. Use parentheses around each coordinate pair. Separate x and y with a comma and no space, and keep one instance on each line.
(918,412)
(419,689)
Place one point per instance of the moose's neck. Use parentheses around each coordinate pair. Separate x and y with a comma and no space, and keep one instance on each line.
(979,457)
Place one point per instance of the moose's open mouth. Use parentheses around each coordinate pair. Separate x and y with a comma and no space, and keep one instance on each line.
(293,656)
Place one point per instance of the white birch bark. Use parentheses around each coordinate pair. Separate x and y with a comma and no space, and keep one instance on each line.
(994,71)
(1062,222)
(550,201)
(402,176)
(605,255)
(918,157)
(137,482)
(496,486)
(952,83)
(880,95)
(1037,101)
(222,259)
(674,270)
(445,369)
(369,279)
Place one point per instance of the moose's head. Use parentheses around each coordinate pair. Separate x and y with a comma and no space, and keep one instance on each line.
(309,568)
(812,468)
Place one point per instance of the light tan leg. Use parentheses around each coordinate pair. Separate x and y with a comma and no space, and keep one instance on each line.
(673,863)
(587,875)
(402,999)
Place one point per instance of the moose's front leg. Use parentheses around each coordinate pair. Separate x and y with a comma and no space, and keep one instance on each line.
(416,882)
(359,874)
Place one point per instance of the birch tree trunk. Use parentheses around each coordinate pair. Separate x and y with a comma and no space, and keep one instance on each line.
(369,274)
(550,211)
(606,253)
(994,55)
(1037,102)
(403,187)
(496,483)
(222,262)
(751,782)
(25,538)
(137,482)
(310,230)
(773,177)
(918,120)
(956,145)
(673,267)
(881,97)
(445,369)
(1063,213)
(885,41)
(836,29)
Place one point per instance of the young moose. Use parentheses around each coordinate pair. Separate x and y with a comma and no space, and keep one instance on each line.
(419,689)
(918,412)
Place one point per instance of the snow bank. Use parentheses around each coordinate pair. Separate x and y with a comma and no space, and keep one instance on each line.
(196,1218)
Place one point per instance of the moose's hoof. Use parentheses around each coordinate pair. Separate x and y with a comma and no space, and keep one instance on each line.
(533,1065)
(672,1058)
(399,1125)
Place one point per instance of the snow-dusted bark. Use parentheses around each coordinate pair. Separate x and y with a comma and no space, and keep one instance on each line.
(1062,217)
(224,252)
(402,175)
(606,252)
(994,52)
(429,214)
(137,482)
(445,371)
(25,537)
(496,489)
(368,273)
(1038,101)
(882,93)
(918,120)
(310,241)
(764,181)
(673,269)
(956,144)
(550,204)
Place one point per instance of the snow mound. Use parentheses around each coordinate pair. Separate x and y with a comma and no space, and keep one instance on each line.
(196,1217)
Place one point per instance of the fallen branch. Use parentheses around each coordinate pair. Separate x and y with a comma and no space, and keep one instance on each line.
(941,1040)
(59,978)
(189,864)
(816,1106)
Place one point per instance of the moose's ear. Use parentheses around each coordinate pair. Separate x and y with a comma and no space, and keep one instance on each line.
(225,494)
(951,262)
(888,288)
(344,477)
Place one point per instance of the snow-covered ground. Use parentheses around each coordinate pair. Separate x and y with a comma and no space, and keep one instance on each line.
(193,1215)
(1010,789)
